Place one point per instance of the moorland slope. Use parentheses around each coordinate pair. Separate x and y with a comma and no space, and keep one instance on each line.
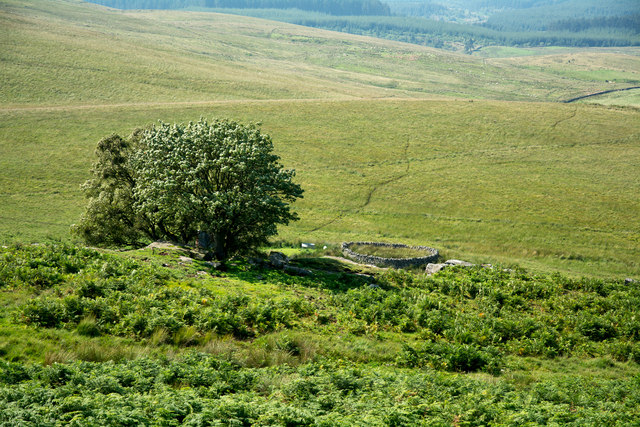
(391,142)
(383,135)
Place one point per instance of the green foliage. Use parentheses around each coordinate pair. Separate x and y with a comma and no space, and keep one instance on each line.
(170,181)
(120,297)
(309,350)
(197,389)
(41,267)
(467,318)
(220,177)
(110,217)
(515,312)
(452,357)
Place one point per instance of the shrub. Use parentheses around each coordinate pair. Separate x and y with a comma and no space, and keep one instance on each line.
(13,373)
(46,312)
(596,328)
(452,357)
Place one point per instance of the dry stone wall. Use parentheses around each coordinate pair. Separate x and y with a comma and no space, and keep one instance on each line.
(431,255)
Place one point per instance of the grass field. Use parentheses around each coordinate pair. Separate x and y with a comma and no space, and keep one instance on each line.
(547,185)
(631,98)
(391,141)
(613,67)
(389,252)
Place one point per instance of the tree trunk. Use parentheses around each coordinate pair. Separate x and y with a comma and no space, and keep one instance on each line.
(220,249)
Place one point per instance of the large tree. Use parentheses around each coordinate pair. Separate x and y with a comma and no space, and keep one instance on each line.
(172,181)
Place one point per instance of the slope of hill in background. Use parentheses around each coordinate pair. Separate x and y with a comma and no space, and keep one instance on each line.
(65,52)
(331,7)
(528,23)
(549,186)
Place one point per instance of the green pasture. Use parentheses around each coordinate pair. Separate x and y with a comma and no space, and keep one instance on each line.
(68,52)
(550,186)
(616,68)
(513,51)
(389,252)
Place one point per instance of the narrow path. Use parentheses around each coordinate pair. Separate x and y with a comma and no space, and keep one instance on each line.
(371,191)
(12,109)
(376,187)
(327,223)
(599,93)
(573,114)
(389,181)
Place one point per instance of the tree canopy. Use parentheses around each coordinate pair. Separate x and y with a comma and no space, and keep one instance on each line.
(172,181)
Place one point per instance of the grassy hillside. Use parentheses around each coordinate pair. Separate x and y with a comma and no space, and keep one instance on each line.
(631,97)
(147,338)
(546,185)
(69,52)
(391,142)
(603,66)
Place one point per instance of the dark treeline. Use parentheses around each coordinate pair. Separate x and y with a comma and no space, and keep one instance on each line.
(330,7)
(434,33)
(539,17)
(504,4)
(630,22)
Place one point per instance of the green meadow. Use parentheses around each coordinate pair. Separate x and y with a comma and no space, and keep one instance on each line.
(630,97)
(550,186)
(391,141)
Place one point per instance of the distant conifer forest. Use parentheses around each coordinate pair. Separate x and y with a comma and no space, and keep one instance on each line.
(457,25)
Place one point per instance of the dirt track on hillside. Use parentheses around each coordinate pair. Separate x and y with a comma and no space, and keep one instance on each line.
(214,102)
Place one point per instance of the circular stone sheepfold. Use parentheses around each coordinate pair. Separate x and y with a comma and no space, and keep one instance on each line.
(431,255)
